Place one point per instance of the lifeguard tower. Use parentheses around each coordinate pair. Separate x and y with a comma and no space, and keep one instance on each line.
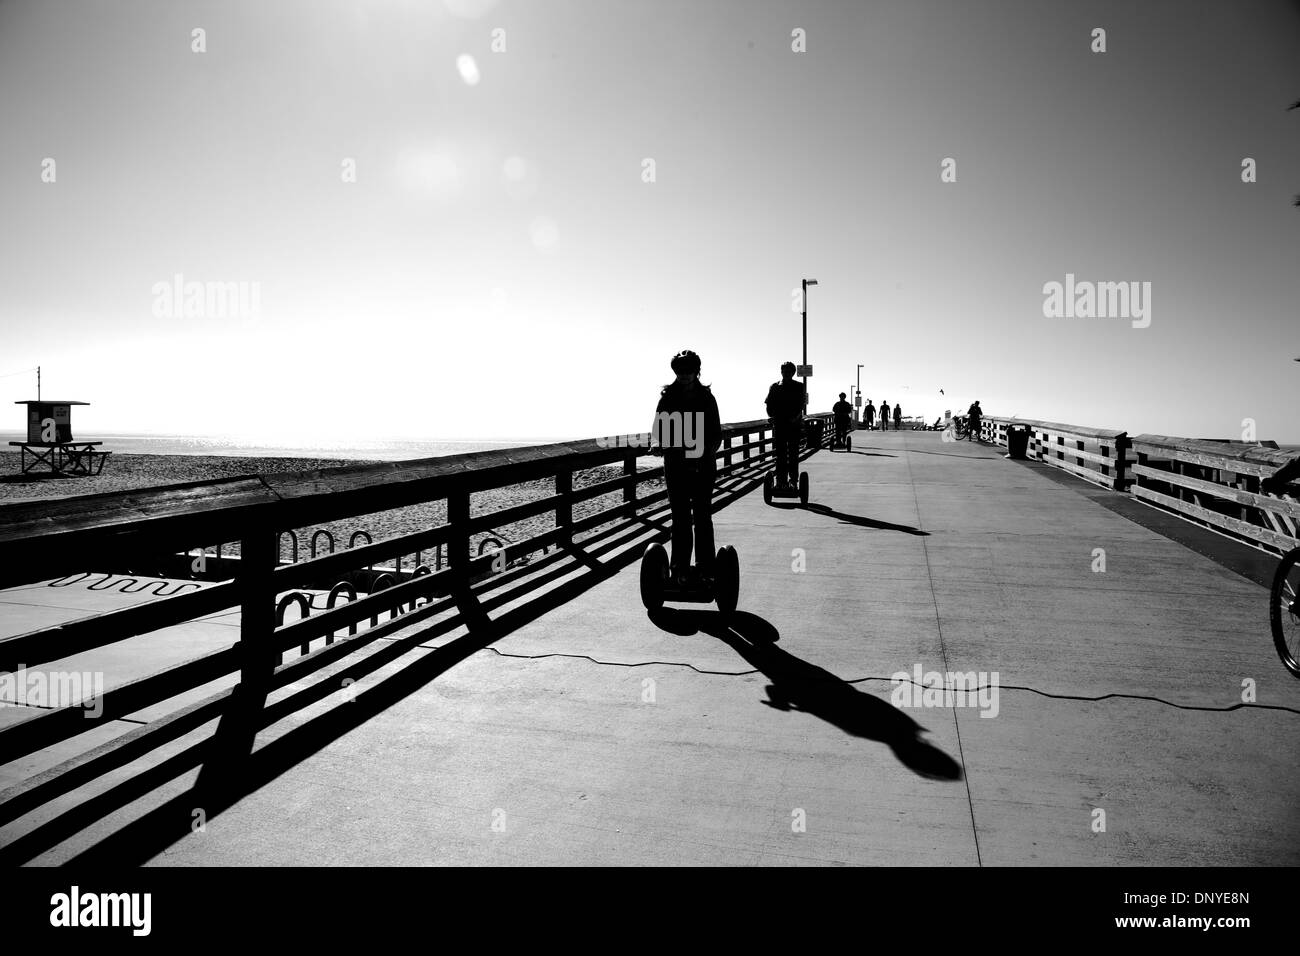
(50,442)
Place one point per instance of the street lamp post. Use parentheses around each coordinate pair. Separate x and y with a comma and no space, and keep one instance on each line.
(806,284)
(857,405)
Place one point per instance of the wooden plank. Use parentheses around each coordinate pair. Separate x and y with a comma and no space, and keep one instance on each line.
(1262,502)
(1242,457)
(1246,530)
(1080,453)
(1223,463)
(1080,431)
(1083,471)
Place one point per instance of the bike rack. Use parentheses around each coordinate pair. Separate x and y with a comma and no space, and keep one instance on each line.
(352,543)
(304,603)
(343,587)
(293,537)
(421,570)
(383,583)
(318,533)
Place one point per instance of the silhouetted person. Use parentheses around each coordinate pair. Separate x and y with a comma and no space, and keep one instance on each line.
(869,415)
(785,402)
(898,417)
(884,416)
(973,416)
(688,431)
(843,413)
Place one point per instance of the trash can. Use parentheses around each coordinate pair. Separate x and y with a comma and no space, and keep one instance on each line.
(1017,441)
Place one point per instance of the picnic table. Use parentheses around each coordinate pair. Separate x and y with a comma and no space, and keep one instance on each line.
(70,458)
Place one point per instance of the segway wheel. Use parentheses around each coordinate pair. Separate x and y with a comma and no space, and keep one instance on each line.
(728,579)
(767,490)
(848,443)
(654,575)
(803,488)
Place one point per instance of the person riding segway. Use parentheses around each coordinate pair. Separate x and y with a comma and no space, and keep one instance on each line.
(843,413)
(785,407)
(687,431)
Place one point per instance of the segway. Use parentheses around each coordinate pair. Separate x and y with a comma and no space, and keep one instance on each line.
(774,489)
(657,585)
(842,444)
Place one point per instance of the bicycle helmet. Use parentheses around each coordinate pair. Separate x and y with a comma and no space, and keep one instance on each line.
(685,361)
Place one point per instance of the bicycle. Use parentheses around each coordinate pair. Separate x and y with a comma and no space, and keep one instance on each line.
(1284,610)
(961,430)
(1284,596)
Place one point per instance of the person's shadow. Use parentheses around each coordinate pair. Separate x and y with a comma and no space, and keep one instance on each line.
(864,522)
(798,685)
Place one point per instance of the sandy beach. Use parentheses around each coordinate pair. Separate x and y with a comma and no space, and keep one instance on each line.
(126,472)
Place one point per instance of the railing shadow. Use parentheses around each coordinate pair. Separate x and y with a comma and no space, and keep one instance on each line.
(798,685)
(231,766)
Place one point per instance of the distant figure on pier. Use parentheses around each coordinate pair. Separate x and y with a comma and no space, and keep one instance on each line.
(843,413)
(869,415)
(785,403)
(973,416)
(884,416)
(690,464)
(898,416)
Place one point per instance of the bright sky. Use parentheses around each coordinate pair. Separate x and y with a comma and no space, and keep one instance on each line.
(500,268)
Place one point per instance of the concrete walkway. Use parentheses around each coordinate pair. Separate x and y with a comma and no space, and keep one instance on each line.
(596,735)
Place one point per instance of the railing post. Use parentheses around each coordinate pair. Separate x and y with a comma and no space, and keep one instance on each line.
(564,510)
(1121,461)
(629,489)
(258,554)
(458,543)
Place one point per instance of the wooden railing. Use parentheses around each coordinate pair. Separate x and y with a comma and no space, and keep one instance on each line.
(1217,484)
(52,539)
(1212,483)
(1099,455)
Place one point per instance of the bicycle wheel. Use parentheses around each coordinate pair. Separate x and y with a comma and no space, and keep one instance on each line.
(1284,611)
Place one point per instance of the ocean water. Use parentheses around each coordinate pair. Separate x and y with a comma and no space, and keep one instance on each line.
(234,447)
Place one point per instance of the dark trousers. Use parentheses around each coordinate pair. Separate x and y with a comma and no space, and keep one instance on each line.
(786,439)
(690,499)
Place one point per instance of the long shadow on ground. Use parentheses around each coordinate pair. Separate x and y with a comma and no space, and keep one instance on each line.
(864,522)
(230,768)
(798,685)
